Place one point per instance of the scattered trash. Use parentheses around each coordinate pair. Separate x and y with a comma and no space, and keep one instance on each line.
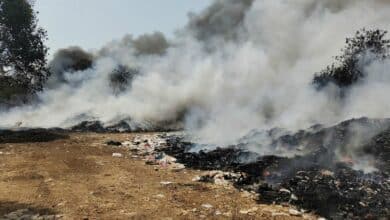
(268,176)
(308,179)
(61,203)
(177,167)
(285,190)
(207,206)
(196,179)
(246,194)
(294,197)
(294,212)
(165,183)
(29,214)
(227,214)
(327,173)
(117,155)
(217,177)
(149,147)
(48,180)
(184,212)
(275,214)
(249,211)
(159,196)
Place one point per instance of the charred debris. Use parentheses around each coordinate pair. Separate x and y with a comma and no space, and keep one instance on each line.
(123,126)
(324,178)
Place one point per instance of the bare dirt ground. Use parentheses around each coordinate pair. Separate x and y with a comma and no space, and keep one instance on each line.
(78,178)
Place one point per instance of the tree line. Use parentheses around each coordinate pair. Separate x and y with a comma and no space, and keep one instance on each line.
(23,54)
(24,69)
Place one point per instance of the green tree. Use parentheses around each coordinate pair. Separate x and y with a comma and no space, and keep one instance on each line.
(22,50)
(347,69)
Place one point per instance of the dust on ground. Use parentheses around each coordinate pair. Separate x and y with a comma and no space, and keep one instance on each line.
(78,178)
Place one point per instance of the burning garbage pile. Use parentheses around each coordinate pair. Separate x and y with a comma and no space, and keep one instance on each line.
(126,125)
(323,176)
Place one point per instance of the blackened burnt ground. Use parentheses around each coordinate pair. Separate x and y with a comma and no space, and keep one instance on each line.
(31,135)
(320,179)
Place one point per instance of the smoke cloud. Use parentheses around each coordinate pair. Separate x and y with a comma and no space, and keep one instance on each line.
(236,66)
(224,18)
(68,60)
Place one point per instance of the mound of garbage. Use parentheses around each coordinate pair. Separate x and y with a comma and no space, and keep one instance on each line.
(126,125)
(330,173)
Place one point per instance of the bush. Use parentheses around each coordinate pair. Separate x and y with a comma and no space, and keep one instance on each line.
(347,69)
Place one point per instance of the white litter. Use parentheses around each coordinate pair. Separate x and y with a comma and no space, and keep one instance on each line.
(117,155)
(252,210)
(285,190)
(207,206)
(196,179)
(294,212)
(165,183)
(294,197)
(159,196)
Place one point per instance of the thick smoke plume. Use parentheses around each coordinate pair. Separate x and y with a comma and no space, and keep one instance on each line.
(68,60)
(236,66)
(221,19)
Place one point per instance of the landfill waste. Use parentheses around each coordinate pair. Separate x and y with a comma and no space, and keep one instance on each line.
(126,125)
(317,177)
(149,148)
(218,177)
(324,176)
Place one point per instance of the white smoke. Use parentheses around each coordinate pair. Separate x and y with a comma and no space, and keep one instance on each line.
(237,66)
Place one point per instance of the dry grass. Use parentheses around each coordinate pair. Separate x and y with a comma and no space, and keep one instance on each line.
(79,178)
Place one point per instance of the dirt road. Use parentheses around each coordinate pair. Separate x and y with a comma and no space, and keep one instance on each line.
(78,178)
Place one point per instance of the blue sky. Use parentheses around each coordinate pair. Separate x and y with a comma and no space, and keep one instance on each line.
(92,23)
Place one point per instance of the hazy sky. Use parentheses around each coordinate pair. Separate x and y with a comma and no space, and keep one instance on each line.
(92,23)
